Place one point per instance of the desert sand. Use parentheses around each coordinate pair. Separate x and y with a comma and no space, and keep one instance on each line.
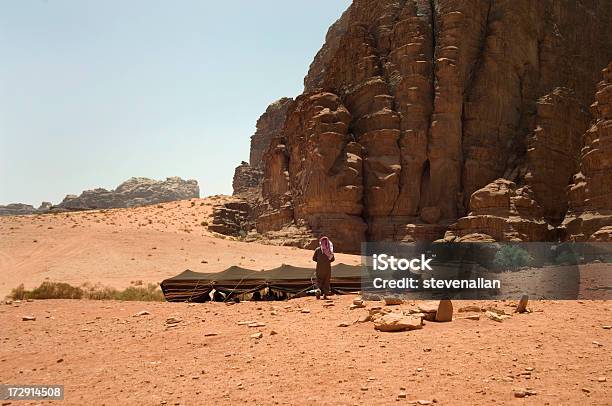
(309,352)
(103,354)
(117,246)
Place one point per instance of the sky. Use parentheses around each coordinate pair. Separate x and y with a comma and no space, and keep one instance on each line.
(95,92)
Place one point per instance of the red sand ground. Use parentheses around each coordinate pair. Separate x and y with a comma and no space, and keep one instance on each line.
(110,357)
(115,247)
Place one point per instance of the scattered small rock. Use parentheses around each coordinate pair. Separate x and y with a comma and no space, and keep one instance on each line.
(401,395)
(273,332)
(172,321)
(358,303)
(305,311)
(496,317)
(429,310)
(392,301)
(470,308)
(602,379)
(519,393)
(257,335)
(343,325)
(141,313)
(28,318)
(363,318)
(606,327)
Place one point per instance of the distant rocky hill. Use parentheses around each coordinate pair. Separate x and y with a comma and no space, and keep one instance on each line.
(462,120)
(16,209)
(131,193)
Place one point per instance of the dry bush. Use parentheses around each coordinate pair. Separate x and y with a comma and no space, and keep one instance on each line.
(48,290)
(59,290)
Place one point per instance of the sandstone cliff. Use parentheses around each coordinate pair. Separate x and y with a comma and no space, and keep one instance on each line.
(590,196)
(412,106)
(131,193)
(248,176)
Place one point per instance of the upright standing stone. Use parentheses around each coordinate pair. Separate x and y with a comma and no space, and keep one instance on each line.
(445,311)
(522,305)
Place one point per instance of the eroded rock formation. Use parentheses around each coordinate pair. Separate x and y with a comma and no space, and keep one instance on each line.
(412,106)
(231,218)
(131,193)
(248,176)
(590,196)
(501,211)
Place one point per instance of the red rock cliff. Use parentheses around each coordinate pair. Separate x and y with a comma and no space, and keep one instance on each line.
(412,106)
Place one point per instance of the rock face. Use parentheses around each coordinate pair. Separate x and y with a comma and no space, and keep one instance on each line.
(412,106)
(248,176)
(590,196)
(246,179)
(231,218)
(131,193)
(501,211)
(269,126)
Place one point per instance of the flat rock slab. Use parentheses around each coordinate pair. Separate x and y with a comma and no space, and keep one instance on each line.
(397,322)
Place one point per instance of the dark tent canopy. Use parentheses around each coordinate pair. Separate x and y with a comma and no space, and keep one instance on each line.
(194,286)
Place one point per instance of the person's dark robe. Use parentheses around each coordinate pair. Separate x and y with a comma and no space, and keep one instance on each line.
(323,270)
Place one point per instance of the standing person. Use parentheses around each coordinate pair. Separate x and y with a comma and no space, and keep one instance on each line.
(324,256)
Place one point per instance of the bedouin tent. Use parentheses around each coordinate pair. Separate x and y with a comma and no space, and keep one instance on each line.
(194,286)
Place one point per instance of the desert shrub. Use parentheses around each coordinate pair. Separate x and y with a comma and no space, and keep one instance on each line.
(58,290)
(149,293)
(566,258)
(512,257)
(48,290)
(18,293)
(99,292)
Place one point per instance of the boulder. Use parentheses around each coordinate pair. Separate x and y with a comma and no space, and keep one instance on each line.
(501,211)
(397,322)
(444,312)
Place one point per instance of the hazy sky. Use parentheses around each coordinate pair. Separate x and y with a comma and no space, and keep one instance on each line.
(94,92)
